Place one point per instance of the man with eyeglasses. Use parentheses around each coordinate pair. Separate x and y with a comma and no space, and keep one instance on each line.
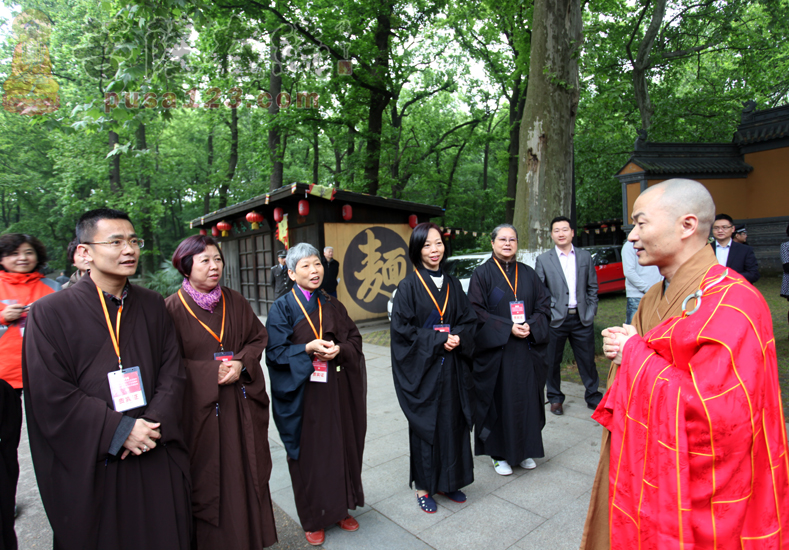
(569,274)
(104,402)
(730,253)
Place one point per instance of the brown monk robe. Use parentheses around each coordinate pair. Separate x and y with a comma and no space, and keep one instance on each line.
(226,426)
(322,425)
(654,308)
(93,499)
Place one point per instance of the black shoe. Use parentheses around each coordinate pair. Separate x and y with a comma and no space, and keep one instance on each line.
(557,409)
(592,405)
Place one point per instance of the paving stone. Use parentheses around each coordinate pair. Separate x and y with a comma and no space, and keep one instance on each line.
(546,490)
(582,457)
(379,362)
(375,532)
(385,480)
(386,448)
(490,524)
(563,531)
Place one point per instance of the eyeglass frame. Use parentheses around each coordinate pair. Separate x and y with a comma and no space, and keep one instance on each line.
(722,227)
(140,243)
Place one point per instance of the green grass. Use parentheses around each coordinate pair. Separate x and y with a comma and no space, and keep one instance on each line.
(611,311)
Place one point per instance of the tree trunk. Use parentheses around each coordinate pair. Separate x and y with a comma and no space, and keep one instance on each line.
(378,101)
(233,160)
(115,164)
(517,103)
(546,134)
(144,225)
(350,151)
(207,196)
(276,150)
(315,158)
(642,64)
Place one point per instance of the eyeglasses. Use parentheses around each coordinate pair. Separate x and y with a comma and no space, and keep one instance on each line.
(722,227)
(504,240)
(120,244)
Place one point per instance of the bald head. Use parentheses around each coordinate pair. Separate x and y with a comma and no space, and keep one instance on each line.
(679,197)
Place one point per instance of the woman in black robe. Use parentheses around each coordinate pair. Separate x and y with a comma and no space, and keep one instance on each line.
(432,343)
(509,363)
(319,391)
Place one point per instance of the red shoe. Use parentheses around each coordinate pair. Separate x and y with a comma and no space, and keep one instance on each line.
(349,524)
(315,538)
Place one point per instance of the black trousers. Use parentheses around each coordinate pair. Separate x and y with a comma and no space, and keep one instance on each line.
(582,343)
(10,432)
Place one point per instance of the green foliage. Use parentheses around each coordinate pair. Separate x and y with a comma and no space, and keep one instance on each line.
(166,281)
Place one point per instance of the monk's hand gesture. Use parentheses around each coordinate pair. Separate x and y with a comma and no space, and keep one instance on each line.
(614,339)
(322,350)
(453,341)
(229,372)
(142,438)
(521,331)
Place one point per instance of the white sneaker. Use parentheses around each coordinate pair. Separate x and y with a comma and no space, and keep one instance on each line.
(502,468)
(528,464)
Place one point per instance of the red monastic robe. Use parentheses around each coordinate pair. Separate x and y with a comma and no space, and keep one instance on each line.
(698,440)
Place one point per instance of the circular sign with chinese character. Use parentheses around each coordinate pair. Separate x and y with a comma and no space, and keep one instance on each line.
(375,262)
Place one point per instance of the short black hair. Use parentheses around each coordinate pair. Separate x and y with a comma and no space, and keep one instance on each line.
(558,219)
(86,226)
(72,249)
(418,238)
(11,241)
(724,217)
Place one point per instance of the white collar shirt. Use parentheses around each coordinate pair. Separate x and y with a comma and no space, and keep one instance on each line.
(722,252)
(568,268)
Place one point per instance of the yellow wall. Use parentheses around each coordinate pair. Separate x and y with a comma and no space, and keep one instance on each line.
(630,168)
(633,191)
(380,262)
(730,195)
(768,192)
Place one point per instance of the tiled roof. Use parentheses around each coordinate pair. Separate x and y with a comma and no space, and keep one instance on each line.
(692,165)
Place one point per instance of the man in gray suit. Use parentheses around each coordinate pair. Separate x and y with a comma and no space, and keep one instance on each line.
(569,274)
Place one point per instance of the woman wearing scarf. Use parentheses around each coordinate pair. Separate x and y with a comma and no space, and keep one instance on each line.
(22,258)
(226,405)
(318,388)
(432,330)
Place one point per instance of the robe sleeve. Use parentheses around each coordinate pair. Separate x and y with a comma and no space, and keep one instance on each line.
(289,368)
(70,415)
(541,314)
(350,340)
(166,403)
(493,331)
(254,341)
(465,322)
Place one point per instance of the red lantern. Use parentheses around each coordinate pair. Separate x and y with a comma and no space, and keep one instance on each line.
(215,231)
(304,208)
(255,218)
(347,212)
(224,227)
(278,213)
(413,221)
(203,232)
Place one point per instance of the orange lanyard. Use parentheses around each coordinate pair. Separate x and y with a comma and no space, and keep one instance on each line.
(116,335)
(320,315)
(221,333)
(446,300)
(514,288)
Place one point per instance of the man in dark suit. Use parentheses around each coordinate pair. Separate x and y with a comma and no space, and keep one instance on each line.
(331,271)
(569,274)
(739,257)
(279,276)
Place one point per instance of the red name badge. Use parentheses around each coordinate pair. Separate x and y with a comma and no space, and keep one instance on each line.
(441,328)
(321,373)
(126,389)
(223,356)
(518,312)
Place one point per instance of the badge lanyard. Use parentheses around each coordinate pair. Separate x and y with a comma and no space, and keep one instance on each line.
(446,300)
(513,288)
(115,336)
(320,315)
(221,333)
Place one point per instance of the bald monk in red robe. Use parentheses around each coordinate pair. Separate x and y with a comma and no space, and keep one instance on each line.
(698,441)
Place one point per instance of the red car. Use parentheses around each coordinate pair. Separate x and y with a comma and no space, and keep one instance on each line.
(608,265)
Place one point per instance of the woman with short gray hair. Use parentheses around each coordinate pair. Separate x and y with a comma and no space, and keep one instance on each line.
(318,388)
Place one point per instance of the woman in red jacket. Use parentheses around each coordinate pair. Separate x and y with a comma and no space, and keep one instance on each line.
(21,284)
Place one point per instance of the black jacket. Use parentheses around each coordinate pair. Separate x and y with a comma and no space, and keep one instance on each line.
(742,260)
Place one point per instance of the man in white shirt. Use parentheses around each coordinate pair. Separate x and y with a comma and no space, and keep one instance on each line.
(638,279)
(569,274)
(739,257)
